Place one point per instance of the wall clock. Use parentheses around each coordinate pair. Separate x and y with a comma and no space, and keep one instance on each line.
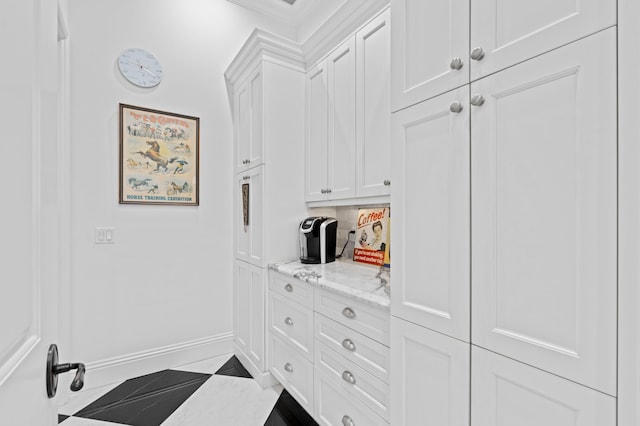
(140,67)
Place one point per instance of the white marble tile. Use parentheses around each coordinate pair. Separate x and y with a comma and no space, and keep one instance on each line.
(208,366)
(225,400)
(79,400)
(79,421)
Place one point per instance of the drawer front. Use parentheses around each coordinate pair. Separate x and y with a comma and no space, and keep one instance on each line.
(372,356)
(361,317)
(291,288)
(293,371)
(292,322)
(332,408)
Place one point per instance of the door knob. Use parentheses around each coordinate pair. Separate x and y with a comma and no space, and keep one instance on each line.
(53,369)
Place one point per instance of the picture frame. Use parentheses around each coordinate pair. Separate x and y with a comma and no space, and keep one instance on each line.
(159,157)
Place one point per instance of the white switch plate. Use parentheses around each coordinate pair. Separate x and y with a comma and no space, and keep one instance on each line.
(105,235)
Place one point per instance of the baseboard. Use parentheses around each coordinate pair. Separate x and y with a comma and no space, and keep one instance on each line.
(263,378)
(124,367)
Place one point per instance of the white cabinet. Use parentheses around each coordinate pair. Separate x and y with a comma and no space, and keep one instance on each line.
(431,214)
(250,236)
(429,378)
(316,156)
(544,212)
(506,392)
(249,114)
(248,312)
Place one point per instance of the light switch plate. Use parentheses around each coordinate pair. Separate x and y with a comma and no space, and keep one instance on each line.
(105,235)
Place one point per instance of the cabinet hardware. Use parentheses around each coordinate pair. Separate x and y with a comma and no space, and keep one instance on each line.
(328,190)
(348,312)
(477,99)
(289,288)
(288,367)
(288,321)
(346,421)
(349,345)
(323,191)
(456,64)
(387,182)
(246,177)
(477,54)
(456,107)
(348,377)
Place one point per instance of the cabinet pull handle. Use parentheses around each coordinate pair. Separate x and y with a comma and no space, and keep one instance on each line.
(288,321)
(288,367)
(346,421)
(477,54)
(348,377)
(477,99)
(289,288)
(387,182)
(349,345)
(456,64)
(348,312)
(456,107)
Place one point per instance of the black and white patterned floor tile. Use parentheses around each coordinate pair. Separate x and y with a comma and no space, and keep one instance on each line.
(211,392)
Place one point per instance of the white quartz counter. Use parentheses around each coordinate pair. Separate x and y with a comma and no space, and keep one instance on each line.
(366,283)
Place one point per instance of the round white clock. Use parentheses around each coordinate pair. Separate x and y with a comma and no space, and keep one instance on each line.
(140,67)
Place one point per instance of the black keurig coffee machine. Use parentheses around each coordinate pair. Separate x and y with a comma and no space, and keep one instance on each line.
(318,239)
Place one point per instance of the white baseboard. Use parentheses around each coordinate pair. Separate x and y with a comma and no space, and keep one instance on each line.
(127,366)
(263,378)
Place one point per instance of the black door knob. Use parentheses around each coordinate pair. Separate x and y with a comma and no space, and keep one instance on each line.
(53,369)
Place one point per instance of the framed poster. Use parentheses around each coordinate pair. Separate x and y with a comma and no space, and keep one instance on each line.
(159,157)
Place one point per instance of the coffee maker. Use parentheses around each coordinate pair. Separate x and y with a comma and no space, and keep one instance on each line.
(318,239)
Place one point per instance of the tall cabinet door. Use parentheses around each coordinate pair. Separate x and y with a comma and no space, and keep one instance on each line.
(249,112)
(544,212)
(430,162)
(249,212)
(248,310)
(341,64)
(316,166)
(509,32)
(373,119)
(426,39)
(242,106)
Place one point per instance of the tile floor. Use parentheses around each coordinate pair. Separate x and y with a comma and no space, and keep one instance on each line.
(218,391)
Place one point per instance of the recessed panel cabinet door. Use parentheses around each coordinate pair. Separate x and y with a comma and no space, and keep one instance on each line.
(511,31)
(249,302)
(429,377)
(242,104)
(316,167)
(430,165)
(429,49)
(544,212)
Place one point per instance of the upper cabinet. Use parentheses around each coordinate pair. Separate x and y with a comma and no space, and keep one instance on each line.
(248,112)
(430,40)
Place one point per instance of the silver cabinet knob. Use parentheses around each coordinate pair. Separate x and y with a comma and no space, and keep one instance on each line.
(477,54)
(477,99)
(387,182)
(349,345)
(346,421)
(456,107)
(456,64)
(328,190)
(348,312)
(347,376)
(246,177)
(289,288)
(288,367)
(288,321)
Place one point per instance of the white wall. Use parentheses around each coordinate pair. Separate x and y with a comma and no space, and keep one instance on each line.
(166,281)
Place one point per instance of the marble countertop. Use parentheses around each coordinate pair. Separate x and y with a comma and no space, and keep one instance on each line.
(366,283)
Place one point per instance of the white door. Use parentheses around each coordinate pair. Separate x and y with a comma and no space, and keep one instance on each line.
(249,318)
(430,162)
(316,167)
(429,377)
(249,244)
(509,32)
(256,147)
(544,212)
(29,243)
(242,118)
(426,39)
(341,67)
(373,118)
(506,392)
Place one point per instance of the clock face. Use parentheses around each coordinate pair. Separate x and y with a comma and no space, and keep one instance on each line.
(140,67)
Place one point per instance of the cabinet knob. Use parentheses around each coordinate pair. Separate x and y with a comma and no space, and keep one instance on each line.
(323,191)
(246,177)
(477,99)
(289,288)
(477,54)
(348,312)
(347,376)
(288,367)
(346,421)
(456,64)
(387,182)
(288,321)
(456,107)
(349,345)
(328,190)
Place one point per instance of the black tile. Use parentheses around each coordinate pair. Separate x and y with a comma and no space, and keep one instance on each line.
(62,418)
(146,400)
(233,367)
(287,412)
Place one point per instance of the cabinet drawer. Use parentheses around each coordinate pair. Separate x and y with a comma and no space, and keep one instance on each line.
(372,356)
(332,408)
(292,322)
(293,371)
(291,288)
(370,390)
(361,317)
